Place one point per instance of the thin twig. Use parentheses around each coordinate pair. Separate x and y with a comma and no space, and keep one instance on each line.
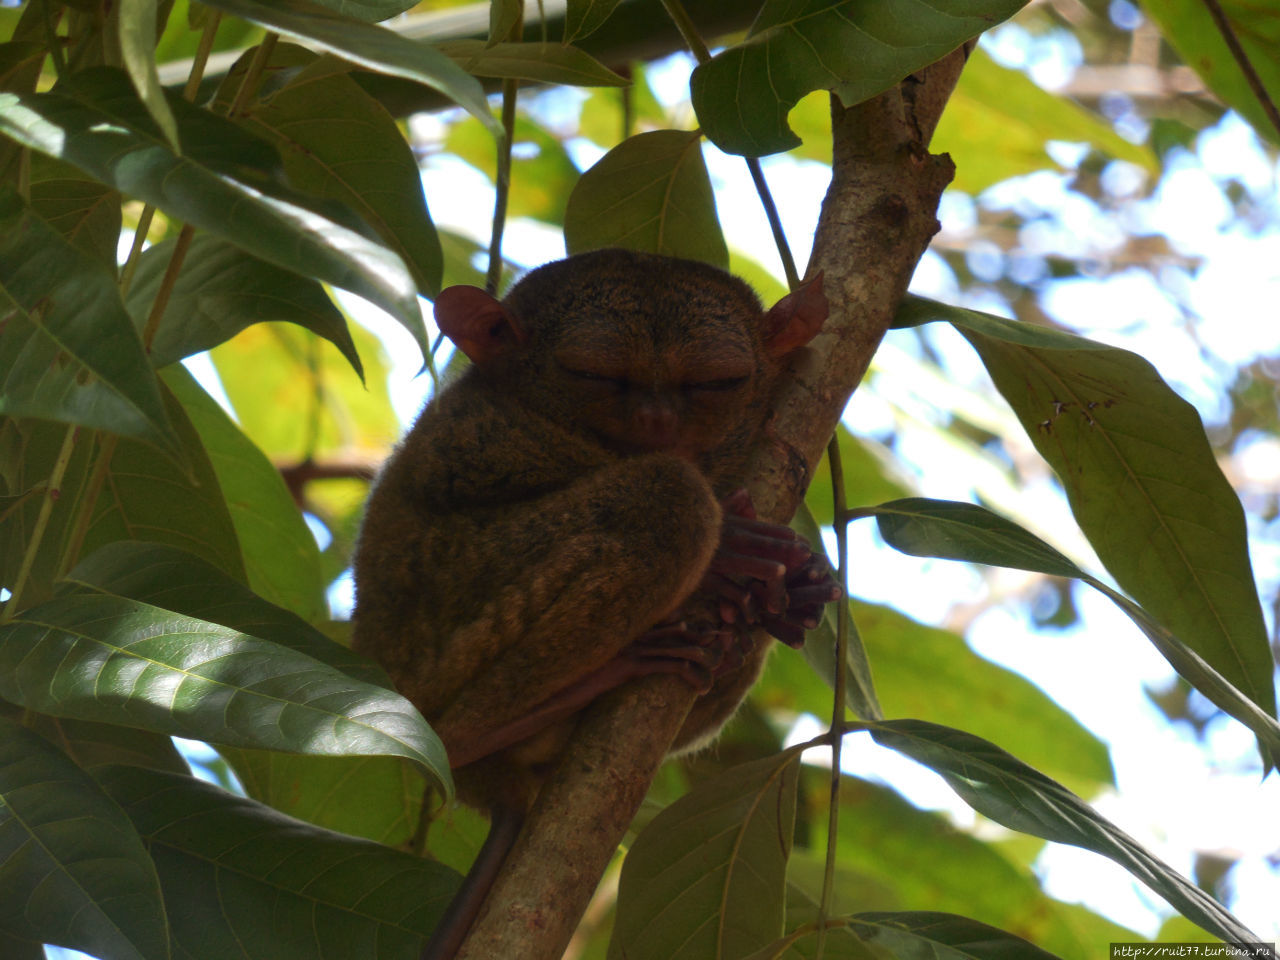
(1243,62)
(51,494)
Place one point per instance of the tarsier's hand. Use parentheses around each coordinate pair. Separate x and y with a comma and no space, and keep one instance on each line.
(766,574)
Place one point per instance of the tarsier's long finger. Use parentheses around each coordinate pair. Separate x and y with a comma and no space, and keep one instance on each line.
(792,552)
(771,595)
(740,565)
(814,594)
(791,634)
(728,590)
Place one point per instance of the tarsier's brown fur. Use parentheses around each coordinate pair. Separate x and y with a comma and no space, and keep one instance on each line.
(558,509)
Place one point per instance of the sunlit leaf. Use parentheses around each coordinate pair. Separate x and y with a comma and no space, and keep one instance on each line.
(1191,30)
(220,291)
(928,673)
(542,172)
(925,935)
(378,798)
(136,26)
(279,550)
(538,62)
(223,182)
(743,94)
(95,656)
(650,193)
(271,367)
(379,49)
(965,531)
(1142,482)
(239,877)
(894,856)
(584,17)
(169,578)
(69,352)
(1001,787)
(998,121)
(73,869)
(706,877)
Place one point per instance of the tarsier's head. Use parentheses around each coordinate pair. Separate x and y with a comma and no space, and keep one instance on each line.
(644,352)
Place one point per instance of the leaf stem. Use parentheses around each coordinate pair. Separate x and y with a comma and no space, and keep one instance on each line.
(207,36)
(51,495)
(253,73)
(167,284)
(51,38)
(688,29)
(502,192)
(88,500)
(836,466)
(775,222)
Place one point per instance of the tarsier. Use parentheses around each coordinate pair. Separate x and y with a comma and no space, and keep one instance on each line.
(569,515)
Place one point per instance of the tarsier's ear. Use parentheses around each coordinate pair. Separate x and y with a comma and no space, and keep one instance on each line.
(795,319)
(480,325)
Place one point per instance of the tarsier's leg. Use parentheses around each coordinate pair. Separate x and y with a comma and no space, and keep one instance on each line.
(695,643)
(599,565)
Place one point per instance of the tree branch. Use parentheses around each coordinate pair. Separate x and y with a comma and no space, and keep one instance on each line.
(877,219)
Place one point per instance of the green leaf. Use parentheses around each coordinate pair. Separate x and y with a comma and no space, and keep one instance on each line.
(998,121)
(955,530)
(931,674)
(379,798)
(1001,787)
(553,63)
(281,559)
(169,578)
(1190,30)
(893,856)
(224,182)
(74,869)
(136,25)
(275,366)
(379,49)
(81,209)
(743,94)
(145,497)
(964,531)
(242,880)
(339,143)
(542,173)
(1142,482)
(652,193)
(584,17)
(820,644)
(94,656)
(928,935)
(220,291)
(707,876)
(93,745)
(69,352)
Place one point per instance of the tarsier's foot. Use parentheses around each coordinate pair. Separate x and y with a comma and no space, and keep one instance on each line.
(766,574)
(697,652)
